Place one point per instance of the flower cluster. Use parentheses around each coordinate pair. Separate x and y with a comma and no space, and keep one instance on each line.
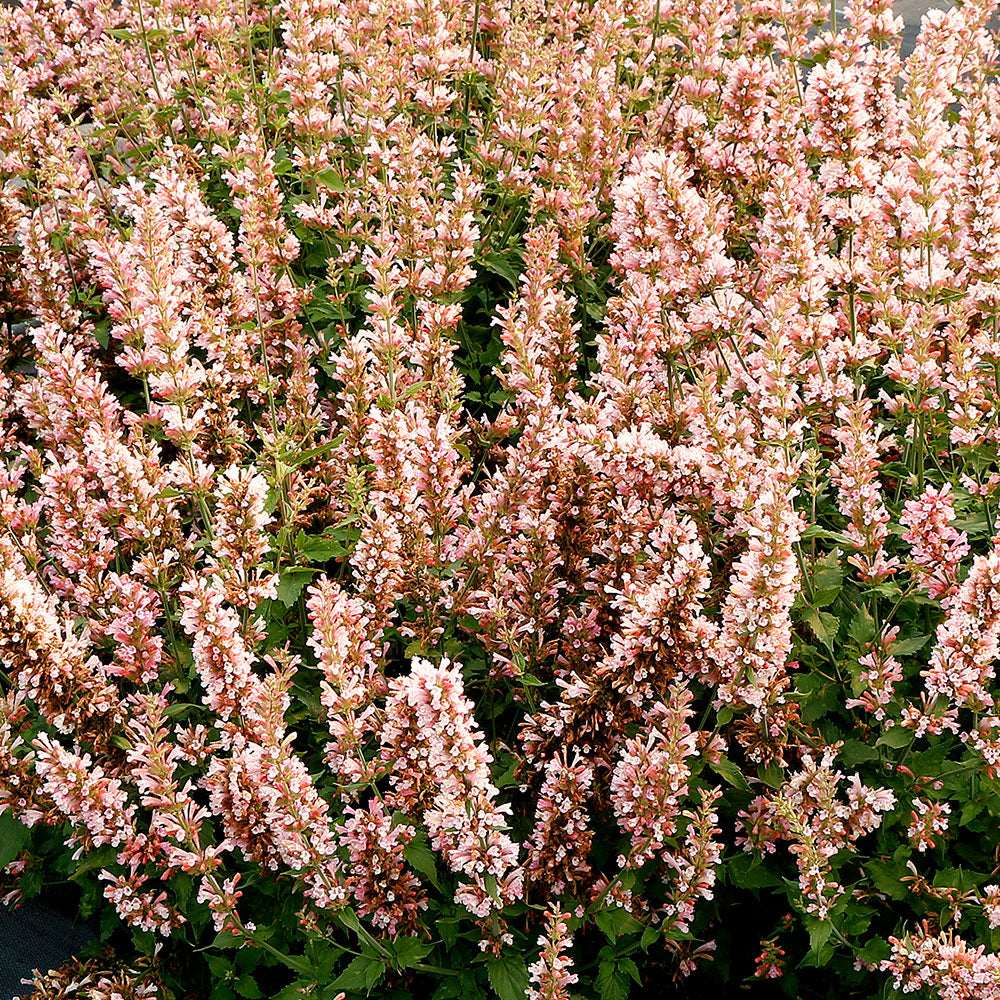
(440,771)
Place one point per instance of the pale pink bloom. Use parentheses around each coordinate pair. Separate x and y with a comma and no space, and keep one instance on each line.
(550,975)
(860,494)
(239,538)
(991,904)
(938,548)
(440,771)
(649,781)
(961,663)
(928,820)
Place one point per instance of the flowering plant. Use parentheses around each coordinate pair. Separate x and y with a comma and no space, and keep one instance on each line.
(500,499)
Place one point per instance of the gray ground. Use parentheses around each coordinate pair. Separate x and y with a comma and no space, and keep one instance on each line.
(35,936)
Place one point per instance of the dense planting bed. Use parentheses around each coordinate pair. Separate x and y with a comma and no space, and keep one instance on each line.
(499,500)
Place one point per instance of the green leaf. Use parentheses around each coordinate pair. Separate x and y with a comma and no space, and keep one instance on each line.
(247,987)
(13,837)
(631,968)
(959,878)
(827,580)
(448,928)
(421,857)
(862,628)
(492,887)
(410,951)
(820,948)
(612,983)
(498,265)
(971,809)
(615,922)
(730,773)
(856,752)
(771,775)
(294,991)
(103,857)
(363,975)
(508,977)
(348,918)
(295,458)
(887,878)
(746,872)
(292,583)
(823,625)
(874,951)
(814,531)
(320,548)
(331,179)
(977,525)
(224,939)
(906,647)
(896,738)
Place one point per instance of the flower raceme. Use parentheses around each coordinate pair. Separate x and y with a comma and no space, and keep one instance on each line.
(491,493)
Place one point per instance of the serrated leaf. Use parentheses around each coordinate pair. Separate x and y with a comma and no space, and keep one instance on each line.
(246,986)
(628,966)
(13,836)
(615,922)
(363,975)
(421,857)
(814,531)
(823,625)
(348,918)
(730,773)
(293,991)
(448,928)
(292,583)
(746,872)
(225,939)
(970,811)
(972,525)
(820,948)
(862,628)
(650,935)
(906,647)
(771,775)
(612,983)
(886,877)
(320,548)
(855,752)
(101,858)
(498,265)
(331,179)
(410,951)
(959,878)
(896,738)
(508,976)
(828,580)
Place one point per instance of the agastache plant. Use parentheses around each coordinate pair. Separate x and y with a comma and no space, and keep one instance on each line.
(500,500)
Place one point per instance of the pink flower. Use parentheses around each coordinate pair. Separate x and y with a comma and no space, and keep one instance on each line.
(550,975)
(649,781)
(440,771)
